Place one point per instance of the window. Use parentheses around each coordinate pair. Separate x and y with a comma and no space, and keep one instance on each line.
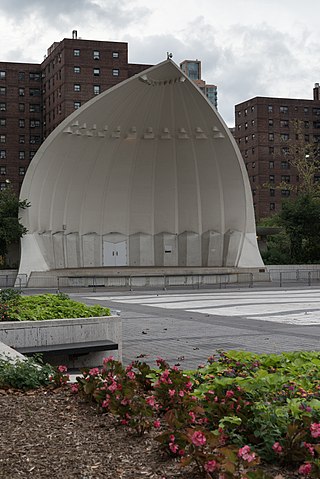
(3,106)
(271,137)
(271,165)
(284,109)
(272,192)
(253,179)
(3,122)
(307,138)
(21,76)
(35,139)
(239,113)
(316,124)
(3,90)
(253,164)
(3,138)
(21,91)
(246,139)
(246,112)
(239,127)
(245,125)
(285,150)
(21,123)
(284,136)
(253,192)
(252,151)
(3,154)
(3,170)
(22,155)
(316,111)
(284,123)
(271,150)
(76,70)
(96,72)
(306,110)
(21,139)
(76,53)
(96,89)
(3,186)
(270,122)
(34,108)
(34,91)
(115,54)
(316,138)
(253,136)
(76,87)
(285,193)
(34,123)
(272,206)
(285,178)
(246,153)
(252,108)
(22,170)
(271,178)
(34,76)
(96,55)
(270,109)
(21,107)
(284,165)
(2,74)
(31,154)
(306,124)
(115,72)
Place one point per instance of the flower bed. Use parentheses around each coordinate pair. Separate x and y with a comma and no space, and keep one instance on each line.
(233,415)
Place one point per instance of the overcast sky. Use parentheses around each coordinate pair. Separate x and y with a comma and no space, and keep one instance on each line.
(247,47)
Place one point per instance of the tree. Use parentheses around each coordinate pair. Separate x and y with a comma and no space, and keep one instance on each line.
(11,230)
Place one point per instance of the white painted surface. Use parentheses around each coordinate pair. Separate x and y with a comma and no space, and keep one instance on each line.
(298,307)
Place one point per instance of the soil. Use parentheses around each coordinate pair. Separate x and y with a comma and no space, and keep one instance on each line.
(53,434)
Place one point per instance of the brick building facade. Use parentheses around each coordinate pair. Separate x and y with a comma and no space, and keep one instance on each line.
(35,98)
(265,130)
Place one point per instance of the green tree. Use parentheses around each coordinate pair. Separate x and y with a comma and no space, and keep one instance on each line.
(11,230)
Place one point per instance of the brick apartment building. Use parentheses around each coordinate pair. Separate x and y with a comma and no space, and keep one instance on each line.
(264,130)
(35,98)
(192,68)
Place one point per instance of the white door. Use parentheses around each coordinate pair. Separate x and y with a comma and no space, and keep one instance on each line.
(114,254)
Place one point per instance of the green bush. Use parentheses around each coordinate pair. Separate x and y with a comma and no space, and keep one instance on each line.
(24,374)
(50,306)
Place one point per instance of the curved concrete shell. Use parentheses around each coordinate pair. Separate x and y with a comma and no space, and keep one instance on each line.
(145,174)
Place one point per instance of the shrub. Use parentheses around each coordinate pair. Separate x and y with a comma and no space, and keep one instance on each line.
(24,374)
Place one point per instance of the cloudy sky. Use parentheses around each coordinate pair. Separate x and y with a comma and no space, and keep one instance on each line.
(247,47)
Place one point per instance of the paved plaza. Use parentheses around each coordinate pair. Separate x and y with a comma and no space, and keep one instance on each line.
(186,327)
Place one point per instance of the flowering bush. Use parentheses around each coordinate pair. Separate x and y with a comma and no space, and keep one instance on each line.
(224,416)
(60,376)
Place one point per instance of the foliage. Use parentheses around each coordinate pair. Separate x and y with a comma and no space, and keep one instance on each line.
(24,374)
(11,230)
(9,294)
(50,306)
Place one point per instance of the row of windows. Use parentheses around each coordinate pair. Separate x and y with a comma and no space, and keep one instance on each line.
(284,165)
(33,76)
(33,107)
(21,91)
(283,109)
(3,170)
(33,139)
(282,137)
(33,123)
(272,192)
(22,155)
(96,71)
(95,54)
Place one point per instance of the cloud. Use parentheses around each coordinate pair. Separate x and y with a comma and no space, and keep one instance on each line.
(63,13)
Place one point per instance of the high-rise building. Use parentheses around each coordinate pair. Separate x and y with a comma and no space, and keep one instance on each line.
(266,129)
(35,98)
(192,68)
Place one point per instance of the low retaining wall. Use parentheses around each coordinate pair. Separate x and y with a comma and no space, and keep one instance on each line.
(17,334)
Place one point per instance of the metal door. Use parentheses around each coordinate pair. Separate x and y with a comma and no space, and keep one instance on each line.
(114,254)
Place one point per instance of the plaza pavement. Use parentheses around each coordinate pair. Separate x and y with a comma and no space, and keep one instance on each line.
(186,327)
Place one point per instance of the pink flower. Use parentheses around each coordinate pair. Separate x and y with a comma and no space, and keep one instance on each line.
(62,369)
(113,387)
(277,448)
(305,468)
(124,422)
(173,447)
(107,360)
(192,416)
(182,452)
(74,388)
(229,394)
(309,447)
(246,454)
(171,392)
(188,385)
(157,424)
(315,430)
(131,375)
(94,372)
(151,401)
(198,438)
(105,403)
(181,394)
(172,438)
(210,466)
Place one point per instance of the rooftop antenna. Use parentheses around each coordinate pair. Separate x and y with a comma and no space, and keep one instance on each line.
(74,34)
(169,55)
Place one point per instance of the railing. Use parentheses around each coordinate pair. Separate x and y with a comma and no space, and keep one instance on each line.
(298,276)
(12,280)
